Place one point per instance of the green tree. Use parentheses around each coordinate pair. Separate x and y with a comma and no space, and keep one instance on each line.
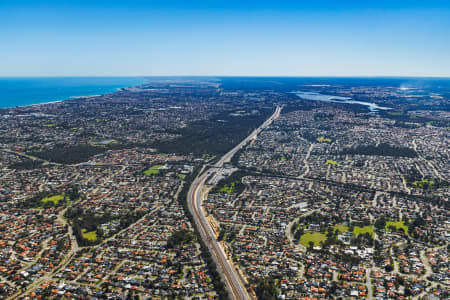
(380,223)
(266,289)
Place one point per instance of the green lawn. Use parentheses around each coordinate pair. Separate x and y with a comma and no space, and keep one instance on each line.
(181,176)
(331,162)
(341,227)
(323,139)
(55,199)
(397,224)
(420,183)
(356,230)
(312,236)
(153,170)
(361,230)
(91,235)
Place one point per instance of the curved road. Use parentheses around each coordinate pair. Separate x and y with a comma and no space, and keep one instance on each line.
(195,197)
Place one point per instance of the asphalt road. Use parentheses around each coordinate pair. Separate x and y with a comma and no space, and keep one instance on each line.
(196,194)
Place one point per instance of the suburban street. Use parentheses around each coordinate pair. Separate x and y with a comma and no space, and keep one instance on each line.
(195,197)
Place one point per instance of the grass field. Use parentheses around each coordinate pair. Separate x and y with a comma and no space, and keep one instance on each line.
(397,224)
(323,139)
(356,230)
(91,235)
(420,183)
(181,176)
(331,162)
(342,228)
(312,236)
(153,170)
(360,230)
(55,199)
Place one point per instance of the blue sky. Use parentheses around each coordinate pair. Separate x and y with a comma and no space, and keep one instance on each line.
(262,38)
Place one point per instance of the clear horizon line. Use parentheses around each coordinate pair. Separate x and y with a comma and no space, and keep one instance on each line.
(244,76)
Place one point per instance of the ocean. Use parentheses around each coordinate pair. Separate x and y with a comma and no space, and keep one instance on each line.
(21,91)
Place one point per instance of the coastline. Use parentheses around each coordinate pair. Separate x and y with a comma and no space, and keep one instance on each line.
(84,90)
(55,101)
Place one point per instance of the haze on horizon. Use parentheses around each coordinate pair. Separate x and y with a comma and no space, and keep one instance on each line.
(255,38)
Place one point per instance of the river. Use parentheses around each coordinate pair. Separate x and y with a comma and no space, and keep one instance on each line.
(373,107)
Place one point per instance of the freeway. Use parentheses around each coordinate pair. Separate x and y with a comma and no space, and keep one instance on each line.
(196,194)
(253,135)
